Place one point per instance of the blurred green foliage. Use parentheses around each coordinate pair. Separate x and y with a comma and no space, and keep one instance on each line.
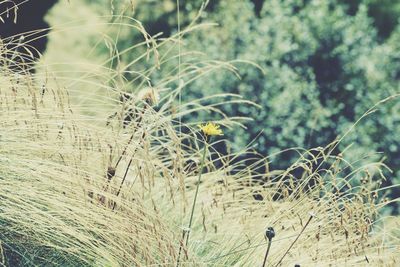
(385,13)
(325,63)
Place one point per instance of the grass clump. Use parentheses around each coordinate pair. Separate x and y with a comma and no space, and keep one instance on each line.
(110,182)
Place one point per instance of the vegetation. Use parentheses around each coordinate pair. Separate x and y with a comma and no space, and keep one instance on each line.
(320,66)
(103,163)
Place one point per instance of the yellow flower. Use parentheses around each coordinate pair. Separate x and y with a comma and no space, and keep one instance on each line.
(211,129)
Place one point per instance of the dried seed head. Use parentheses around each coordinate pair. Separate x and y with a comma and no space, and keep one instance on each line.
(150,96)
(270,233)
(110,173)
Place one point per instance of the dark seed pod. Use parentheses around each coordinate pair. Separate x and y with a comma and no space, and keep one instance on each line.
(270,233)
(110,173)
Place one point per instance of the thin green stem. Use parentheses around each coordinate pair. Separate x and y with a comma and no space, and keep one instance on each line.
(187,230)
(196,193)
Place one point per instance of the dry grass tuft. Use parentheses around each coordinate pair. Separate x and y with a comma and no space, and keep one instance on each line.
(110,183)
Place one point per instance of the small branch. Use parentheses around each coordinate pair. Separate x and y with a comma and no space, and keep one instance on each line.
(181,246)
(123,180)
(290,247)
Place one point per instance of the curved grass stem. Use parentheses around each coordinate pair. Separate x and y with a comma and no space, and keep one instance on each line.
(267,252)
(193,206)
(196,193)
